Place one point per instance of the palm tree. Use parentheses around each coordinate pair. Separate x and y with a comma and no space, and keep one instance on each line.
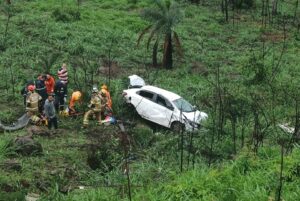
(163,18)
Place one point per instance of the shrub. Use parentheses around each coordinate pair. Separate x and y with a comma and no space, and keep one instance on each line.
(68,15)
(243,4)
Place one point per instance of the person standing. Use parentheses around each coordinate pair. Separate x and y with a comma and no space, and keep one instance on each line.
(24,90)
(60,91)
(50,112)
(50,83)
(62,74)
(32,101)
(42,91)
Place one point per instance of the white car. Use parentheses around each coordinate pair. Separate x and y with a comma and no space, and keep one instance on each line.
(163,107)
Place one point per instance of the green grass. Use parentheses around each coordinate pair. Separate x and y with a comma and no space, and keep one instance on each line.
(35,35)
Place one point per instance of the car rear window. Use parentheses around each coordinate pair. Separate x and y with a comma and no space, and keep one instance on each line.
(146,94)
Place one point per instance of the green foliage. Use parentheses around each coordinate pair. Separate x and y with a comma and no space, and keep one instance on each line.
(236,72)
(65,15)
(4,149)
(143,136)
(247,178)
(163,18)
(246,4)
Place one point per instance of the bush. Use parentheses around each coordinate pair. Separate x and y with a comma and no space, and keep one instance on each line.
(243,4)
(65,15)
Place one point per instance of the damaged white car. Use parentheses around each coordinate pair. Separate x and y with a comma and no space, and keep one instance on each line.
(161,106)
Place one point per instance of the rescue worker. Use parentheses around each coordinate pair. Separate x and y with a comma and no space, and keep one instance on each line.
(32,101)
(41,90)
(95,108)
(32,104)
(60,91)
(24,91)
(75,98)
(50,83)
(105,104)
(105,90)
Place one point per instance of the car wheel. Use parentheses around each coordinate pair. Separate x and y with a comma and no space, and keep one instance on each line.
(177,127)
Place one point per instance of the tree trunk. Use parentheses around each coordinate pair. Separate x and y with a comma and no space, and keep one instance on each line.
(6,26)
(278,193)
(274,7)
(295,13)
(226,10)
(243,131)
(154,53)
(168,49)
(12,79)
(233,125)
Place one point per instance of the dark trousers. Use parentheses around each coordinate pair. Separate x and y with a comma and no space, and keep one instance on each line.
(41,106)
(59,103)
(53,122)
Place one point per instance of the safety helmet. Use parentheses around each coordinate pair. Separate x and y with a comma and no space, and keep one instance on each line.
(95,90)
(31,87)
(103,92)
(104,87)
(78,95)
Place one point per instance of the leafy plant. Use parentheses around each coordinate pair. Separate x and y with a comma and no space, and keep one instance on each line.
(163,18)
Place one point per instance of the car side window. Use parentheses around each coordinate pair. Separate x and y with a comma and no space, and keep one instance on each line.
(146,94)
(163,102)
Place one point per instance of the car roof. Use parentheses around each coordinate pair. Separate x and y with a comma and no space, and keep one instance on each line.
(168,94)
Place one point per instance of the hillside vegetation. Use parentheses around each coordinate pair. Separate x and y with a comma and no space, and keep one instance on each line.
(238,61)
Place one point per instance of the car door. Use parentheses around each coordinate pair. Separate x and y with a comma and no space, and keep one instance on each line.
(163,111)
(145,104)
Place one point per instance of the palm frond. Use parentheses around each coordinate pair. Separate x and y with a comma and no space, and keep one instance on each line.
(143,33)
(175,14)
(161,5)
(152,15)
(153,32)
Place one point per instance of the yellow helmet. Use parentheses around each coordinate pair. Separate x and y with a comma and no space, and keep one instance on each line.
(104,87)
(77,95)
(103,92)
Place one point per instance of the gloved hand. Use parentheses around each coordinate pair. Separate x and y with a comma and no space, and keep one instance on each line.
(65,99)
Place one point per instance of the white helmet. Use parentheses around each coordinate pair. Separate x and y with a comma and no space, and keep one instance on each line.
(95,89)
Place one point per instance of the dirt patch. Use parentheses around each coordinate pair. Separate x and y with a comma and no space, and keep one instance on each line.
(272,37)
(199,68)
(38,131)
(26,146)
(11,165)
(114,70)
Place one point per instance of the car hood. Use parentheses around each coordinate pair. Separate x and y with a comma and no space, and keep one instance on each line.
(196,116)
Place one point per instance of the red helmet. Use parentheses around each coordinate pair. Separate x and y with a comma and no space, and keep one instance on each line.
(31,87)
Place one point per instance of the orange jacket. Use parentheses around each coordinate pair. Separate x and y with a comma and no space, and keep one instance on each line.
(107,94)
(76,97)
(50,83)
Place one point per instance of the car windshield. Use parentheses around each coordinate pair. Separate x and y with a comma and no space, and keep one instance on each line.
(184,105)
